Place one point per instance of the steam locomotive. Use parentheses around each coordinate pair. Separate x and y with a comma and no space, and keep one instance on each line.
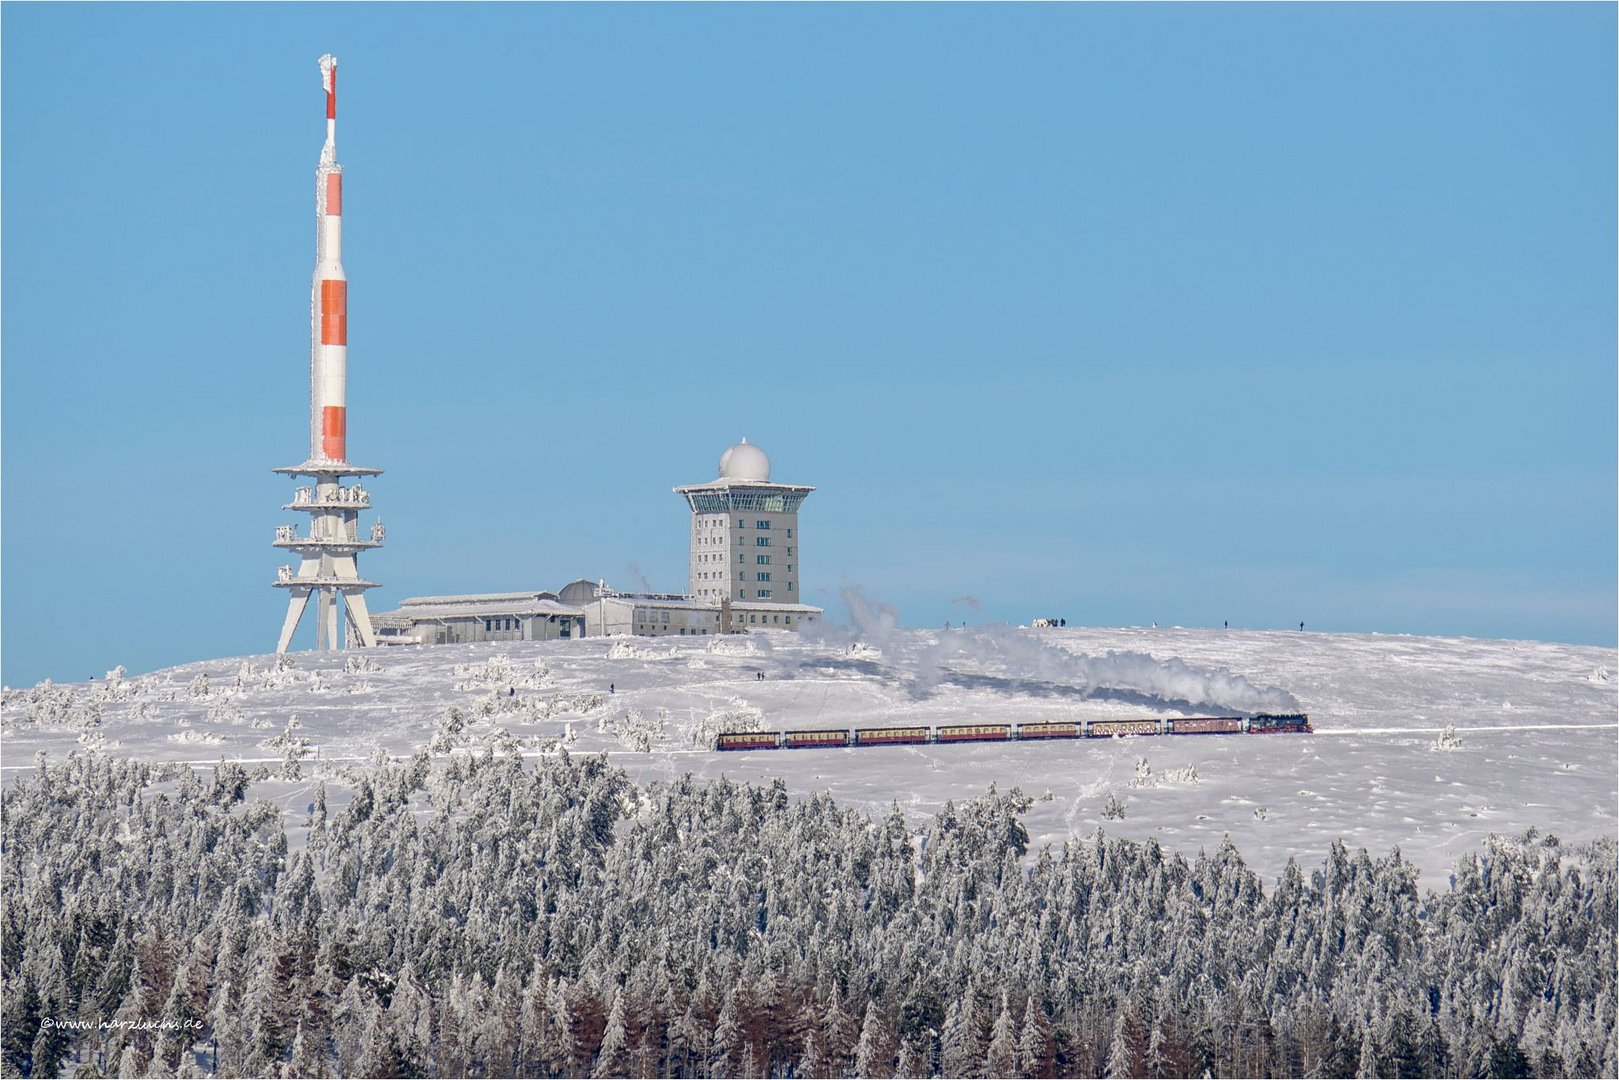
(1262,724)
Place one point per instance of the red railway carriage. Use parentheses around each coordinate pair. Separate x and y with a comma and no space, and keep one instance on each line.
(798,739)
(1057,730)
(748,740)
(883,736)
(1101,729)
(1205,725)
(974,732)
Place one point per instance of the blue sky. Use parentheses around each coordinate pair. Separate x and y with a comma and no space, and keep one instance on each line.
(1122,313)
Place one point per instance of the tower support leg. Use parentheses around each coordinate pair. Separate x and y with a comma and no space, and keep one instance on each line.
(326,624)
(359,620)
(296,602)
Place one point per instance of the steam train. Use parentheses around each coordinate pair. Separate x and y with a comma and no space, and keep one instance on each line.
(1262,724)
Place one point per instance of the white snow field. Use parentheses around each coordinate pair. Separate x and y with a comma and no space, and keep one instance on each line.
(1535,741)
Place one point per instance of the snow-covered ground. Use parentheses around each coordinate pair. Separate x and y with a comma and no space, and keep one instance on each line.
(1536,739)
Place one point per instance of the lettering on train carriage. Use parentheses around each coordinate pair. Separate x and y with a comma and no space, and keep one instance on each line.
(1103,728)
(1049,730)
(798,739)
(972,732)
(1205,725)
(879,736)
(748,740)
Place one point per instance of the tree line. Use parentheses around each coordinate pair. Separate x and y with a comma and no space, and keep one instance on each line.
(483,917)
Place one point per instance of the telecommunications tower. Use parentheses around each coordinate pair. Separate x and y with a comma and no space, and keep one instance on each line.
(328,551)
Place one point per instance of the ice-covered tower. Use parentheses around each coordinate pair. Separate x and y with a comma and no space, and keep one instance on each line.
(744,531)
(327,552)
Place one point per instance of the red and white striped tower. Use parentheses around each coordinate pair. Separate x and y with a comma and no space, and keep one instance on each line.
(329,321)
(328,551)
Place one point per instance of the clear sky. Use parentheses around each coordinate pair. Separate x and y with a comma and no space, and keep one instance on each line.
(1120,313)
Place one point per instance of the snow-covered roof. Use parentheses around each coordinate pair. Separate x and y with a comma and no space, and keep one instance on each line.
(662,601)
(473,607)
(476,598)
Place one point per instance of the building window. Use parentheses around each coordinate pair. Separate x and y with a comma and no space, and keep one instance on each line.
(762,560)
(763,594)
(764,575)
(761,524)
(789,568)
(753,618)
(761,541)
(789,534)
(789,549)
(741,557)
(743,593)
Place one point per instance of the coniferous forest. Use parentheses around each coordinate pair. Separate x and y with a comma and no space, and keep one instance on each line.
(483,917)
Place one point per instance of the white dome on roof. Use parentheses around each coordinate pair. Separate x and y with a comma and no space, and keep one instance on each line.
(744,461)
(582,591)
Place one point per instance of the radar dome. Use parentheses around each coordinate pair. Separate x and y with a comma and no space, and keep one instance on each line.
(744,461)
(579,592)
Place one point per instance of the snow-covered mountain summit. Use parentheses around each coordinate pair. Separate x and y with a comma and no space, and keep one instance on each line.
(1531,739)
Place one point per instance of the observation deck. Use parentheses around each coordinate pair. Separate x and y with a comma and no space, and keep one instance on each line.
(318,467)
(285,579)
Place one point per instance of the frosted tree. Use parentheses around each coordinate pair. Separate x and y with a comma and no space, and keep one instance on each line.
(1157,1061)
(559,1046)
(308,1055)
(613,1057)
(725,1048)
(1367,1065)
(1124,1058)
(913,1061)
(1034,1042)
(961,1044)
(1000,1057)
(841,1034)
(874,1052)
(750,1061)
(812,1062)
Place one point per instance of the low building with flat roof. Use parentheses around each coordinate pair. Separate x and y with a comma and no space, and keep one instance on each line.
(450,620)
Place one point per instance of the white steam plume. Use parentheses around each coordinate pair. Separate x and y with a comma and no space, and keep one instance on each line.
(872,622)
(1013,655)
